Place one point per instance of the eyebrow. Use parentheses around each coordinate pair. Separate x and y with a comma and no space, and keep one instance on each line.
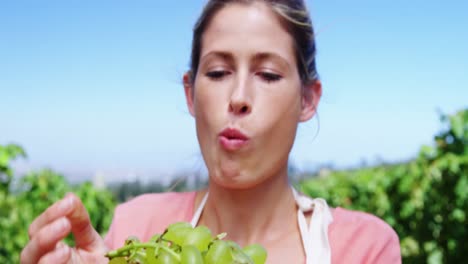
(263,56)
(226,56)
(257,58)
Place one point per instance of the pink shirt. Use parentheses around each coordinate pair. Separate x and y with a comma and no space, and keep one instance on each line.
(355,237)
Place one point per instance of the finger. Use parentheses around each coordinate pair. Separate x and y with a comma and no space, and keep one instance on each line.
(58,209)
(86,237)
(45,240)
(58,256)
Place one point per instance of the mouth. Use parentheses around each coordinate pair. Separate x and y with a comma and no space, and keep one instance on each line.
(232,139)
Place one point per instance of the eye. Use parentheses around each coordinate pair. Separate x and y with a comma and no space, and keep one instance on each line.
(269,76)
(216,75)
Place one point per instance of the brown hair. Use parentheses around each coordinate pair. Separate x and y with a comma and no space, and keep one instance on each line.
(293,14)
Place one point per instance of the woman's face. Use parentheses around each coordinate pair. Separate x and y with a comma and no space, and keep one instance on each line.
(247,97)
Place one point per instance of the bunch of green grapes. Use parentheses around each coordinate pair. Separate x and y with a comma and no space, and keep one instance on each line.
(182,244)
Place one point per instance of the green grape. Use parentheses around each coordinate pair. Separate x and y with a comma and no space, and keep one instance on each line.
(182,244)
(219,253)
(233,245)
(139,257)
(200,237)
(119,260)
(190,255)
(151,255)
(240,257)
(256,252)
(166,258)
(177,236)
(177,232)
(179,225)
(156,237)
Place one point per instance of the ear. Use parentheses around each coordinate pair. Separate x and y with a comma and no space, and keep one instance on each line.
(189,92)
(311,95)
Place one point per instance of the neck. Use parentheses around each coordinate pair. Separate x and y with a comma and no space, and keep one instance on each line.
(253,215)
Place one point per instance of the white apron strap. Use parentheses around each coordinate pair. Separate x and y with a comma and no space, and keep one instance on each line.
(314,238)
(197,214)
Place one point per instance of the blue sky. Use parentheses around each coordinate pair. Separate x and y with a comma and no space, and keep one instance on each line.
(95,85)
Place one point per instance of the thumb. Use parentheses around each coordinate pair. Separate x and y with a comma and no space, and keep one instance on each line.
(86,237)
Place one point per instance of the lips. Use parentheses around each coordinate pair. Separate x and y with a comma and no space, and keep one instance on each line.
(232,139)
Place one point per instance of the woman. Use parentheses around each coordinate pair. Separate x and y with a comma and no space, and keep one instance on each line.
(252,81)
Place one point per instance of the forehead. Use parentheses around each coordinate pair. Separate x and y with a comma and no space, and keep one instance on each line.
(247,29)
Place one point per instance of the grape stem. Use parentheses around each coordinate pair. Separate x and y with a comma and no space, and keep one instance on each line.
(120,252)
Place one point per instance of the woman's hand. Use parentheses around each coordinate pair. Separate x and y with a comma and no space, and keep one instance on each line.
(54,224)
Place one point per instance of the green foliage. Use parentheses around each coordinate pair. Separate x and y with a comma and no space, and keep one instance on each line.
(7,154)
(425,200)
(32,194)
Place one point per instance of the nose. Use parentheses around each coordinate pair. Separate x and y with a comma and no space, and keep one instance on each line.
(239,109)
(240,101)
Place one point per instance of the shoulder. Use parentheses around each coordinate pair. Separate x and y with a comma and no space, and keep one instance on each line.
(346,219)
(156,202)
(148,214)
(363,236)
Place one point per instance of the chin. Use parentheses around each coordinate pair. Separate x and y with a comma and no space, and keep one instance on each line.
(234,179)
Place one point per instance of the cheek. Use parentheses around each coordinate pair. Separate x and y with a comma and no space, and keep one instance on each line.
(281,121)
(282,110)
(208,105)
